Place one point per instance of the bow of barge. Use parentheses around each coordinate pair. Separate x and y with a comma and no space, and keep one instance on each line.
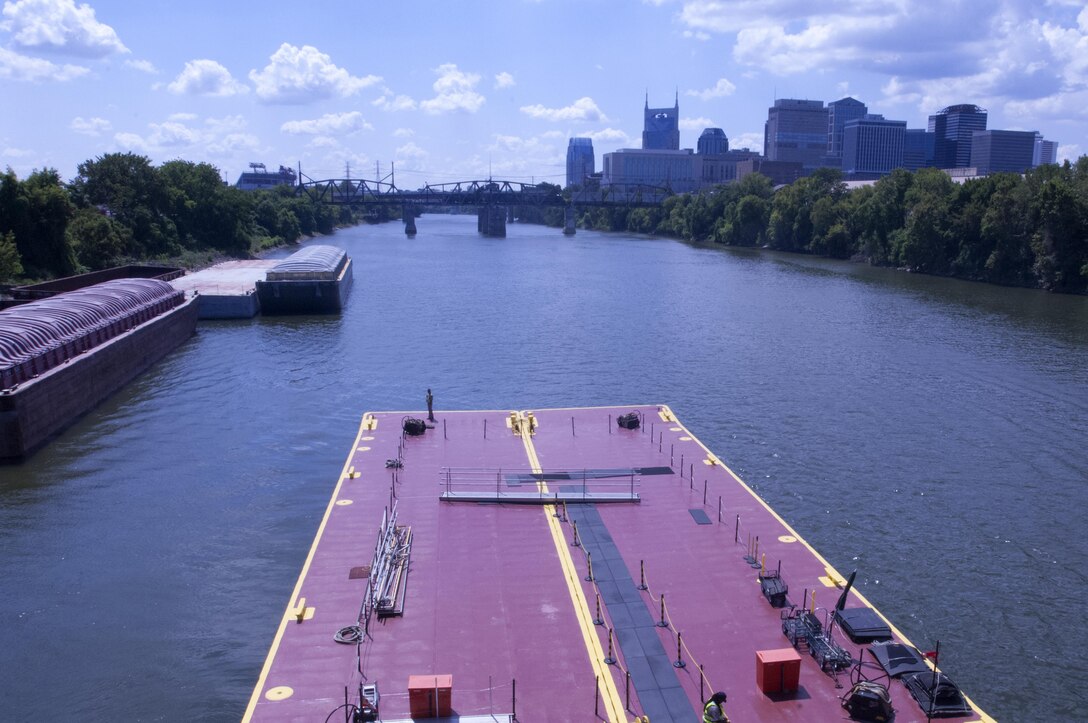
(563,564)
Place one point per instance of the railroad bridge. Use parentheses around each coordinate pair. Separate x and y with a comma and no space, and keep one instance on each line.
(493,199)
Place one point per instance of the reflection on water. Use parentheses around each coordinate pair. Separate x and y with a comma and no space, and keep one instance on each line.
(926,431)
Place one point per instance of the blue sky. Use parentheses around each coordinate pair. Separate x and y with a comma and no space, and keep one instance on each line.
(455,90)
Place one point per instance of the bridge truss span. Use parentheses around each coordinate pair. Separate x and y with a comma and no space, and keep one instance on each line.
(494,199)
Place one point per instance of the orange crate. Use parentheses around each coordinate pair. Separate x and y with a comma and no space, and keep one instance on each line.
(430,696)
(778,671)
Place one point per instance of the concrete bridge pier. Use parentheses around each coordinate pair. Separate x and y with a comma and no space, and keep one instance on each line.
(491,221)
(568,221)
(409,215)
(509,214)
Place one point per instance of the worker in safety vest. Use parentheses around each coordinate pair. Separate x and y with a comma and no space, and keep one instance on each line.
(714,710)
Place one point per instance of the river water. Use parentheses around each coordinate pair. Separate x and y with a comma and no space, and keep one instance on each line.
(931,433)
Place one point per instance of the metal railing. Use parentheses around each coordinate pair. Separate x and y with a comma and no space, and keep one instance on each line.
(549,486)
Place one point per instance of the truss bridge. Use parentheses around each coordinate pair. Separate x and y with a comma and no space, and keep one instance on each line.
(494,200)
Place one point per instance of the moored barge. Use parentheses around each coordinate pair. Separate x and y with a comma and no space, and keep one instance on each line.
(571,565)
(313,280)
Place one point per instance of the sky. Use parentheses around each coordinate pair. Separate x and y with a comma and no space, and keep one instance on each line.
(462,90)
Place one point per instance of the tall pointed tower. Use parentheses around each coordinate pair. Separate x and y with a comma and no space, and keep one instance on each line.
(661,127)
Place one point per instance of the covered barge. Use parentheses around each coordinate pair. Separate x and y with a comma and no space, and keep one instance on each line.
(574,565)
(63,355)
(313,280)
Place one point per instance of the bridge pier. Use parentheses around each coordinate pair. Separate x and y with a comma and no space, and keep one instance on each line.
(409,215)
(491,221)
(568,221)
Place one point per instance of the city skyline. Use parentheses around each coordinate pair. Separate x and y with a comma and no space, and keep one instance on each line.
(464,91)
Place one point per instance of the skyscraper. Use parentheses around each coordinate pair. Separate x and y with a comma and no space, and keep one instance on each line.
(918,149)
(796,130)
(872,146)
(661,127)
(953,127)
(580,163)
(1045,151)
(712,142)
(1002,151)
(838,113)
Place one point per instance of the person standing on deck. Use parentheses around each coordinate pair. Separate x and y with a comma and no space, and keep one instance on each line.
(430,406)
(714,710)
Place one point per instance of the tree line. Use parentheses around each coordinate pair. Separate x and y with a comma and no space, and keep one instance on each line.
(120,209)
(1029,230)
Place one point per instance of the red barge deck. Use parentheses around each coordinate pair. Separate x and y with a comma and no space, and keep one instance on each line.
(513,574)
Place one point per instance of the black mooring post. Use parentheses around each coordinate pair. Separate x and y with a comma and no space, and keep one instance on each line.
(485,427)
(701,676)
(444,429)
(514,697)
(572,425)
(681,466)
(610,424)
(627,690)
(736,533)
(679,662)
(933,687)
(596,695)
(704,492)
(611,658)
(719,509)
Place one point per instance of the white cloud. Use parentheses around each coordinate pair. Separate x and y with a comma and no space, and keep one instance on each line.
(750,140)
(1069,152)
(175,137)
(14,66)
(329,124)
(301,75)
(390,102)
(11,152)
(695,124)
(206,77)
(583,109)
(612,137)
(721,89)
(403,133)
(456,91)
(323,142)
(513,156)
(411,151)
(504,80)
(144,66)
(90,126)
(60,26)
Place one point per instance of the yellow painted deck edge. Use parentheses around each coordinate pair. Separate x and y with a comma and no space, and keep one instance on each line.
(982,716)
(263,678)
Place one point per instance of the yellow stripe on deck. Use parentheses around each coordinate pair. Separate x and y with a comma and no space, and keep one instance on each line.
(611,695)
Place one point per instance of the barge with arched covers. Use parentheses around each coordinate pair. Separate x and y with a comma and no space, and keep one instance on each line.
(62,356)
(313,280)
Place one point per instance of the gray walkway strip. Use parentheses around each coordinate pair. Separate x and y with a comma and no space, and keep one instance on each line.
(653,676)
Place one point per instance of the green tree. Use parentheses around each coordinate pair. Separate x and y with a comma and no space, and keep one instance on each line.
(11,266)
(132,191)
(36,212)
(98,240)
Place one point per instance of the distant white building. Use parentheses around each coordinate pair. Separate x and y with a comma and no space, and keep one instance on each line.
(679,170)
